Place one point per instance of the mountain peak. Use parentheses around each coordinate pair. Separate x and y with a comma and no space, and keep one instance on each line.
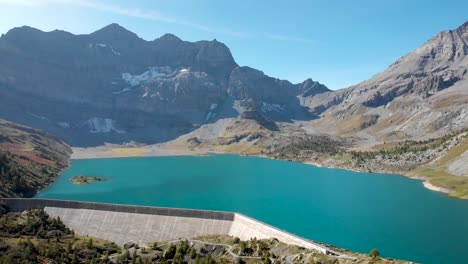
(114,27)
(114,30)
(446,49)
(23,31)
(463,27)
(310,87)
(169,37)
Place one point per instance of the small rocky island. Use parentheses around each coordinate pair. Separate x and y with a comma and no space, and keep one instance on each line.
(86,179)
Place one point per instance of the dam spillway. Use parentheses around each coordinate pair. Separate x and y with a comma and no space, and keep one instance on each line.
(146,224)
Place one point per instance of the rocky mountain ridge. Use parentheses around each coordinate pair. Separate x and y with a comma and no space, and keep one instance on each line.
(112,86)
(118,87)
(422,93)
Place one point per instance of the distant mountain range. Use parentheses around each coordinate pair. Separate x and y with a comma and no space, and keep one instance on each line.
(112,86)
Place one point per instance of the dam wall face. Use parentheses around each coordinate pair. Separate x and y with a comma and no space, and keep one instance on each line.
(246,228)
(123,223)
(145,224)
(121,227)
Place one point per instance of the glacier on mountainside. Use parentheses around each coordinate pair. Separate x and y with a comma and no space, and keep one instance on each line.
(271,107)
(102,45)
(153,73)
(102,125)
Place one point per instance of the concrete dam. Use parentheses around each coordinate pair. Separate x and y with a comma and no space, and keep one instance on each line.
(147,224)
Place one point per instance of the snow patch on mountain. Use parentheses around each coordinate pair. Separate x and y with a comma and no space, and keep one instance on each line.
(152,74)
(63,124)
(122,91)
(211,112)
(208,116)
(102,45)
(102,125)
(114,51)
(271,107)
(39,117)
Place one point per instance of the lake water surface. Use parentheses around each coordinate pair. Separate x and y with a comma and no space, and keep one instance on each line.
(357,211)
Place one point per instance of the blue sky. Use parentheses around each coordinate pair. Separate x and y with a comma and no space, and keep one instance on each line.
(338,43)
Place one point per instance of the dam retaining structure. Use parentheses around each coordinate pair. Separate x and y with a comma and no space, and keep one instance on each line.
(121,223)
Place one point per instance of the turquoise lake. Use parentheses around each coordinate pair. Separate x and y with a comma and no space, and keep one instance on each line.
(357,211)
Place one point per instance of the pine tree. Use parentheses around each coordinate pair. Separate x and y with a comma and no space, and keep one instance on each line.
(69,247)
(374,253)
(105,258)
(154,246)
(193,253)
(89,243)
(140,260)
(209,259)
(74,258)
(40,232)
